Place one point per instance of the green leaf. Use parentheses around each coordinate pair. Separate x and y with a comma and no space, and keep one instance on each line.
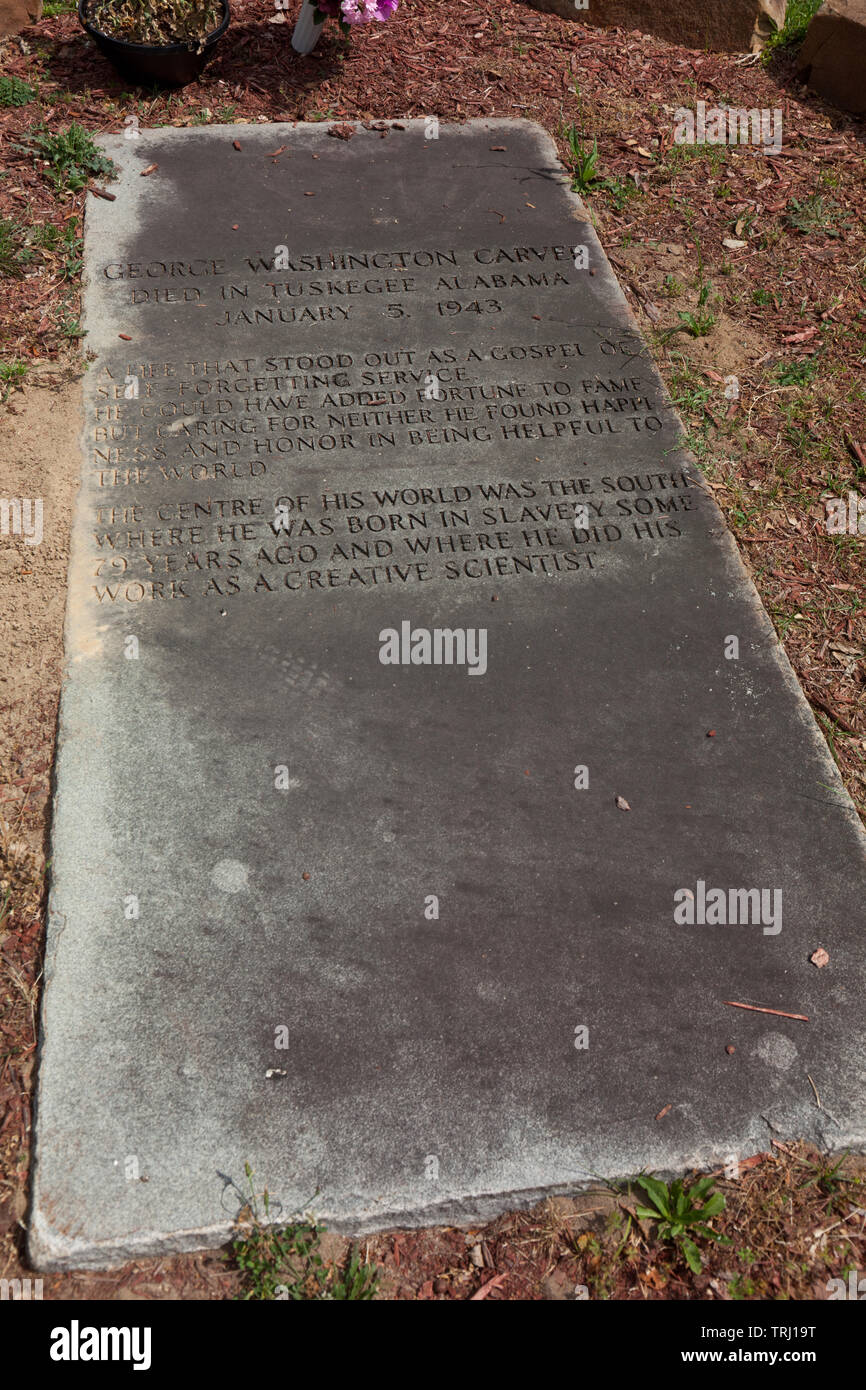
(657,1193)
(692,1254)
(715,1204)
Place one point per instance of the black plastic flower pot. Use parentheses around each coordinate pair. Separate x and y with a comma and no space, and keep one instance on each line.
(168,65)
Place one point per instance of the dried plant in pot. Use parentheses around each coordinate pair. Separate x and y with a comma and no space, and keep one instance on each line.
(160,41)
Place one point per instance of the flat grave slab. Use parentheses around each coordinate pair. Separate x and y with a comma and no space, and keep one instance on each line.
(429,773)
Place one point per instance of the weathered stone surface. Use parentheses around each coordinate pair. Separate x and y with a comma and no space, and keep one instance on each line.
(254,814)
(15,15)
(833,57)
(733,26)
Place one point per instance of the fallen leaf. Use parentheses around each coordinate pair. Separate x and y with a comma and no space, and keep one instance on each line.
(734,245)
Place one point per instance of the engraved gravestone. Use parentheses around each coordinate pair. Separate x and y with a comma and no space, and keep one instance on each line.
(429,774)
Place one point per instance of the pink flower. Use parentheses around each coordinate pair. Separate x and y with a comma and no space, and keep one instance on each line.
(363,11)
(356,11)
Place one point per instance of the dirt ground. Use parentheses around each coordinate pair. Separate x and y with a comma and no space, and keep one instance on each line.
(782,310)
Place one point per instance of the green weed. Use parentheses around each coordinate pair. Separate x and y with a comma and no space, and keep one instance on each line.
(683,1211)
(71,157)
(14,92)
(285,1263)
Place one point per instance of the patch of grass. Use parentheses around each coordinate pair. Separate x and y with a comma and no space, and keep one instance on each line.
(11,375)
(68,325)
(682,1212)
(71,157)
(799,373)
(797,20)
(619,191)
(814,216)
(824,1176)
(22,246)
(698,324)
(689,393)
(14,252)
(53,7)
(285,1263)
(14,92)
(679,157)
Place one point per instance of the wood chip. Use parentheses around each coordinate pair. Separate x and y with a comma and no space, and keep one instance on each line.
(151,169)
(820,957)
(622,803)
(665,1111)
(236,144)
(494,1283)
(101,193)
